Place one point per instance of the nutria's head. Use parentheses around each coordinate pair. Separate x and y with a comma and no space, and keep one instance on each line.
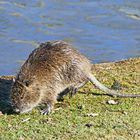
(23,97)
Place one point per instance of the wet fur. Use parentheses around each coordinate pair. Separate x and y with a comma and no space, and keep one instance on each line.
(50,70)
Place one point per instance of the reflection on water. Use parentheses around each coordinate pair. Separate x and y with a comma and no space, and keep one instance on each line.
(102,30)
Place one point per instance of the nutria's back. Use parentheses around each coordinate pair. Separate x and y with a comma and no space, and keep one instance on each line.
(52,57)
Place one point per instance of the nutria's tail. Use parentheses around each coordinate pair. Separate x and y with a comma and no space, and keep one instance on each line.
(107,90)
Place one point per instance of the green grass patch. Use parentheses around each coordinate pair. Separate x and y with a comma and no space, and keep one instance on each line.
(69,120)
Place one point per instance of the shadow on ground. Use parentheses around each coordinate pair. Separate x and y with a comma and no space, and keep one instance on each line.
(5,85)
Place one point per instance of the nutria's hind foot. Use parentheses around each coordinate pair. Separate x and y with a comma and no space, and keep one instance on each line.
(74,89)
(68,91)
(71,91)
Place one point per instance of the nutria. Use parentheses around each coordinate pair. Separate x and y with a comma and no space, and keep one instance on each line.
(53,69)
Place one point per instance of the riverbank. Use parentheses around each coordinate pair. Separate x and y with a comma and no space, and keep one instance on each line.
(88,115)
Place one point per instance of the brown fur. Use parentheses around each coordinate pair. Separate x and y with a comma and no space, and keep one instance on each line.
(49,70)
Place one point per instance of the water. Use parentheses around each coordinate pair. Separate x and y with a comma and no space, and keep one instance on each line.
(102,30)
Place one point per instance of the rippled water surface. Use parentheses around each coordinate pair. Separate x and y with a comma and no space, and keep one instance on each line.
(102,30)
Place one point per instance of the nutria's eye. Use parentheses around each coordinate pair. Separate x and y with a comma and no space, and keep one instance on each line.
(27,82)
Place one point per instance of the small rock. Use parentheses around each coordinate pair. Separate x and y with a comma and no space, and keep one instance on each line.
(112,102)
(92,114)
(25,120)
(125,113)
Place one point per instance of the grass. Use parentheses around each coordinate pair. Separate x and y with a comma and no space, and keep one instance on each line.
(70,121)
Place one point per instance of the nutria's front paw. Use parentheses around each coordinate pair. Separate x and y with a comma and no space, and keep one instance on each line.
(46,110)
